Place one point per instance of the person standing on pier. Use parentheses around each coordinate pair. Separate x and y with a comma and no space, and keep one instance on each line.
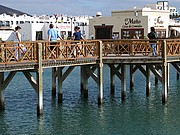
(153,40)
(53,36)
(77,34)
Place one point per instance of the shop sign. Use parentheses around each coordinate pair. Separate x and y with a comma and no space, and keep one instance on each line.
(158,22)
(131,23)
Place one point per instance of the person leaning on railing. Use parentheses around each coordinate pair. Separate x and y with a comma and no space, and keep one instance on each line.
(77,36)
(153,40)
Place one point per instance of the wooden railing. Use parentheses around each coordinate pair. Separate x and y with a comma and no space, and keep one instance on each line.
(11,52)
(173,47)
(139,47)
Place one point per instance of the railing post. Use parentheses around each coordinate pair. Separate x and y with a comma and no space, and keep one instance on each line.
(131,48)
(164,73)
(39,81)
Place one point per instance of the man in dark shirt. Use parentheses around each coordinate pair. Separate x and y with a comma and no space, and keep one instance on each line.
(153,40)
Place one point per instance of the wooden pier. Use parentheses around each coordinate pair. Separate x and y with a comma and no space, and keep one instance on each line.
(90,55)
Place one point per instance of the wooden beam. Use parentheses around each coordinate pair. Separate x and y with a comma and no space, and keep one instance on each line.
(67,72)
(143,71)
(31,80)
(93,75)
(115,71)
(176,66)
(8,79)
(156,73)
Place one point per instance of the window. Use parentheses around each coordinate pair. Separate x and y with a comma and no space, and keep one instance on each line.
(7,23)
(161,33)
(21,22)
(125,34)
(132,33)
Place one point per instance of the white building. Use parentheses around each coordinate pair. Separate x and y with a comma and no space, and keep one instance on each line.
(35,27)
(136,22)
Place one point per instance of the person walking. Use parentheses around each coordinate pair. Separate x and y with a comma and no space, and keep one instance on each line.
(53,36)
(17,39)
(153,40)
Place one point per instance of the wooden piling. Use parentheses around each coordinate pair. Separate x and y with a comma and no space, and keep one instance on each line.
(100,75)
(177,76)
(147,81)
(84,82)
(60,94)
(123,82)
(54,82)
(112,81)
(131,77)
(39,75)
(164,73)
(1,91)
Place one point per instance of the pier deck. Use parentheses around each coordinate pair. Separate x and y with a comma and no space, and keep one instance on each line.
(90,55)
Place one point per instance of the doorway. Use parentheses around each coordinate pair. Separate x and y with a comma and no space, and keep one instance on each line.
(103,32)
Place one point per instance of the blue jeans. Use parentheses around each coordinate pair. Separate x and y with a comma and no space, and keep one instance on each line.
(154,49)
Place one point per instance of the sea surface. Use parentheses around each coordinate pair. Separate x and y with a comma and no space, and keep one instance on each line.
(138,115)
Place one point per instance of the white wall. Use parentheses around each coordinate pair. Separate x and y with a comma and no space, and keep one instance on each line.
(6,35)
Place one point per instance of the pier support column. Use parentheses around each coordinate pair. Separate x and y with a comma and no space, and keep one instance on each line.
(156,81)
(39,75)
(84,82)
(3,84)
(147,81)
(54,82)
(131,77)
(164,74)
(100,83)
(168,65)
(164,84)
(178,72)
(60,95)
(1,91)
(112,79)
(177,76)
(123,82)
(100,74)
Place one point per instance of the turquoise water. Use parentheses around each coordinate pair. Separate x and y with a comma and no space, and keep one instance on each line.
(138,115)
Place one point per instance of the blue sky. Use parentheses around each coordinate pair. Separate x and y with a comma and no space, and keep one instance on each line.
(78,7)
